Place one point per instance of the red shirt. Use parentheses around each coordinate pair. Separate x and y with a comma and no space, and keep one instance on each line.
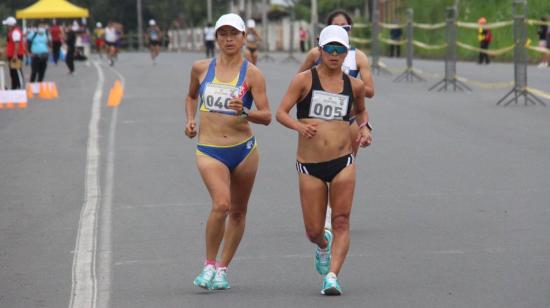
(10,46)
(55,32)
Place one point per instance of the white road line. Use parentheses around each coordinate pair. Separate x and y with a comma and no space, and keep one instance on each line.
(84,283)
(105,252)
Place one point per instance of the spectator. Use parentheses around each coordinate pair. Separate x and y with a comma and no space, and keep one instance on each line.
(71,46)
(15,50)
(209,38)
(39,53)
(543,34)
(56,33)
(484,37)
(303,39)
(395,34)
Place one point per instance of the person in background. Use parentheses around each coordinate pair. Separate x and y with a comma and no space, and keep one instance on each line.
(209,39)
(99,34)
(543,33)
(15,50)
(252,39)
(484,36)
(395,34)
(303,39)
(56,33)
(39,49)
(153,36)
(70,41)
(111,40)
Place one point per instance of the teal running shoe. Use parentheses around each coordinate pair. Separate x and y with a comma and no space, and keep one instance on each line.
(220,281)
(331,286)
(322,256)
(204,279)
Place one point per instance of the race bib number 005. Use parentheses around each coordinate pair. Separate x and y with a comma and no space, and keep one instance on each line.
(328,106)
(218,96)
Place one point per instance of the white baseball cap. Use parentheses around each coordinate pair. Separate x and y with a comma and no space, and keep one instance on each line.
(334,33)
(251,23)
(152,22)
(10,21)
(98,25)
(232,20)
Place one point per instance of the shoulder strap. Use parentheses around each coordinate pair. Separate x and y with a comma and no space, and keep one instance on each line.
(33,37)
(347,85)
(242,73)
(211,73)
(315,81)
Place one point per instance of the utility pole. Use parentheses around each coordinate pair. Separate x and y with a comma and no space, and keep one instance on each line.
(209,9)
(314,22)
(140,25)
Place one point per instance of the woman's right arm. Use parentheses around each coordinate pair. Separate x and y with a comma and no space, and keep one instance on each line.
(191,100)
(291,97)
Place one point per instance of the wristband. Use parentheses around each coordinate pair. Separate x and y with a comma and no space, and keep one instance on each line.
(367,125)
(243,114)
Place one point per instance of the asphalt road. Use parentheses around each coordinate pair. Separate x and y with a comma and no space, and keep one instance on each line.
(452,206)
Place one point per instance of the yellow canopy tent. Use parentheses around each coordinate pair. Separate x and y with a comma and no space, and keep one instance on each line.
(52,9)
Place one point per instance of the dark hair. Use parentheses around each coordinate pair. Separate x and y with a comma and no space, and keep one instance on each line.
(209,24)
(336,13)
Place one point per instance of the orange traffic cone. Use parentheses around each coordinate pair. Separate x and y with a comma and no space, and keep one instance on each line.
(29,91)
(1,105)
(10,105)
(54,90)
(22,105)
(42,90)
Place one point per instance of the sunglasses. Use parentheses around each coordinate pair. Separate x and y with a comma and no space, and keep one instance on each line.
(338,49)
(346,27)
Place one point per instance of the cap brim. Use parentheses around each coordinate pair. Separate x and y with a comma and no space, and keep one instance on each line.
(232,26)
(335,40)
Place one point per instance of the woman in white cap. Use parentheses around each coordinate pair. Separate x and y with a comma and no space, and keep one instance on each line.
(324,97)
(356,65)
(153,36)
(225,89)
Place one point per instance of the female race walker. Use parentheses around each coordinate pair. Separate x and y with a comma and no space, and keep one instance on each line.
(356,65)
(252,39)
(225,88)
(324,97)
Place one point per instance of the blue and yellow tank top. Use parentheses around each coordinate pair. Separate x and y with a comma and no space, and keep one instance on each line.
(215,95)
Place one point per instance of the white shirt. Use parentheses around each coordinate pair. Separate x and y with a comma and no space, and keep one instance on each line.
(16,35)
(209,34)
(111,35)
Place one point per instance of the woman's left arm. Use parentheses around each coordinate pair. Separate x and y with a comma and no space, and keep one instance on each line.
(262,114)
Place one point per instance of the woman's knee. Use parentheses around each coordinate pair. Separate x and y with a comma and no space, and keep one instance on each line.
(221,207)
(340,222)
(313,234)
(237,214)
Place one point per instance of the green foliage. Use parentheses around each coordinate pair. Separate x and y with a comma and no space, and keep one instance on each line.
(430,11)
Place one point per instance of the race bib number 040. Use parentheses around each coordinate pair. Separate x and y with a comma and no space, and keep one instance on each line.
(218,96)
(328,106)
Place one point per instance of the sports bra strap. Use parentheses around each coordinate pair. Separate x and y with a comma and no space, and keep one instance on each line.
(242,73)
(315,81)
(347,85)
(211,73)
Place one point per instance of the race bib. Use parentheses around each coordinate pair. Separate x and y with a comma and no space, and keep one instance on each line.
(218,96)
(328,106)
(154,36)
